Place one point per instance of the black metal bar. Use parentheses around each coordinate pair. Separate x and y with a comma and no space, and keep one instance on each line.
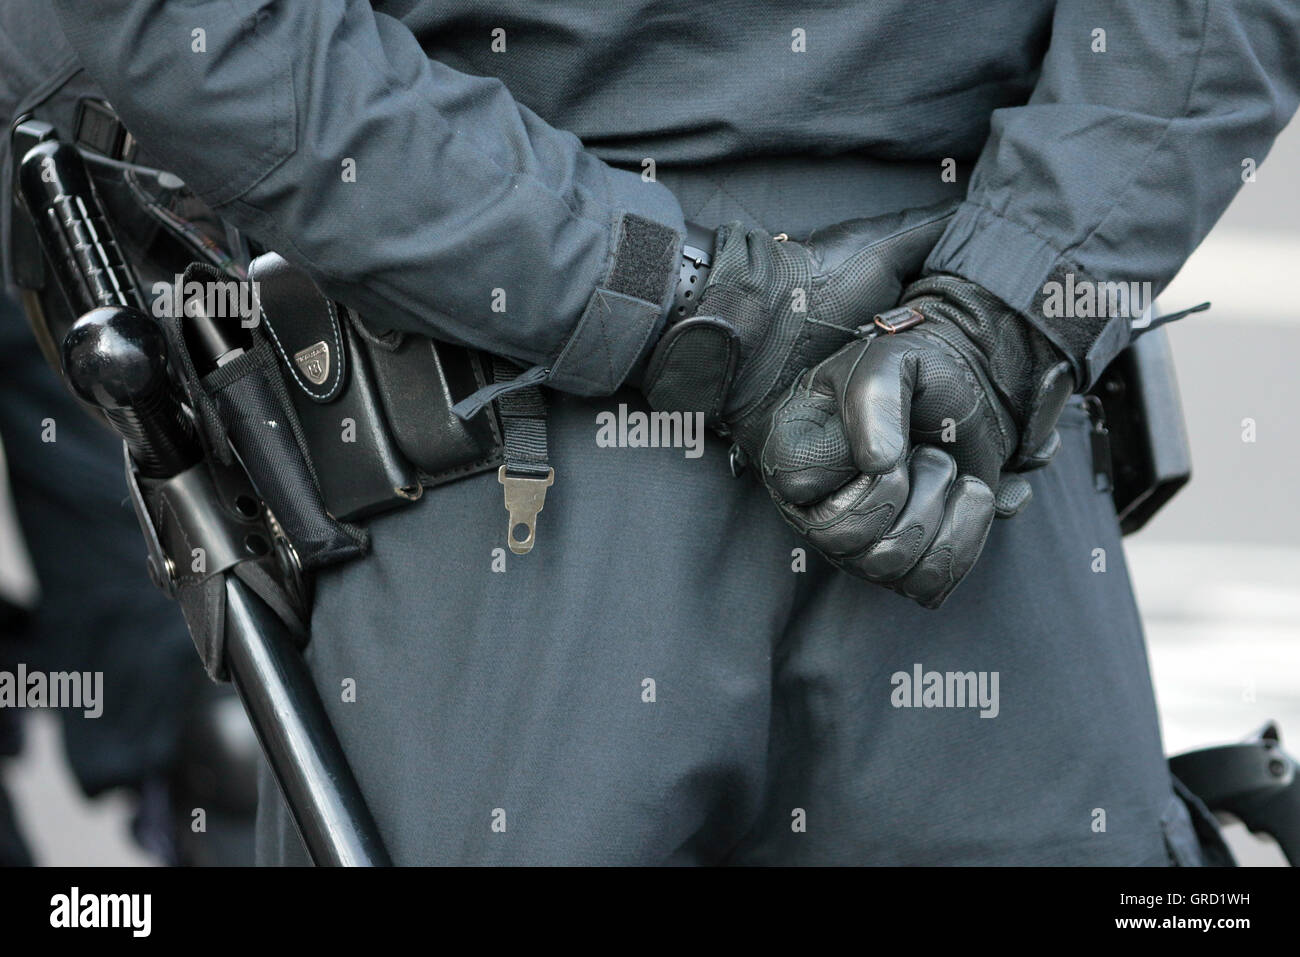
(296,735)
(55,188)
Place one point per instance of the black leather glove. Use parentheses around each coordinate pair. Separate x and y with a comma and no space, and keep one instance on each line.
(893,456)
(771,308)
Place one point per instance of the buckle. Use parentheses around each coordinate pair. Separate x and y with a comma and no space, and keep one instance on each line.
(525,495)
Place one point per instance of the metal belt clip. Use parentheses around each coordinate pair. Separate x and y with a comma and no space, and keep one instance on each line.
(525,495)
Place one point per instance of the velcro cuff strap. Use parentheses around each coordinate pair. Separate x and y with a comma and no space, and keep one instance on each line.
(624,313)
(1091,340)
(1113,340)
(1023,269)
(610,337)
(645,259)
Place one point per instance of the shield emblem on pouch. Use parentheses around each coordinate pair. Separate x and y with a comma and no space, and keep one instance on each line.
(314,362)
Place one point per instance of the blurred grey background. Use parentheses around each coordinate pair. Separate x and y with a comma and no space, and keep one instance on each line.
(1217,572)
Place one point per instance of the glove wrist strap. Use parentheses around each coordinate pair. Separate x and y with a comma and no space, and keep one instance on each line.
(697,262)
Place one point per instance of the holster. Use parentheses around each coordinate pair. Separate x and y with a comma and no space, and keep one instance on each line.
(1150,456)
(335,422)
(332,420)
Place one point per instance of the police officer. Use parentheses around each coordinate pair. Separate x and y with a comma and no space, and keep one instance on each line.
(678,671)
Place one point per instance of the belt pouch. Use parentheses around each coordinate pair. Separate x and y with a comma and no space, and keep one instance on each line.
(358,467)
(420,380)
(255,409)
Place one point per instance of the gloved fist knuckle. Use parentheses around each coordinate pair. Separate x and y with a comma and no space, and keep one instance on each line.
(896,554)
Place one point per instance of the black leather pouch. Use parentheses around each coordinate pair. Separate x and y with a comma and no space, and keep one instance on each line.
(420,380)
(358,467)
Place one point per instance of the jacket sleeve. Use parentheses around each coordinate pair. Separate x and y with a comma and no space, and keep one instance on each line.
(1122,160)
(426,198)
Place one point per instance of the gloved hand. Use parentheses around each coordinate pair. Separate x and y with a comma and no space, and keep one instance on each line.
(893,456)
(771,308)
